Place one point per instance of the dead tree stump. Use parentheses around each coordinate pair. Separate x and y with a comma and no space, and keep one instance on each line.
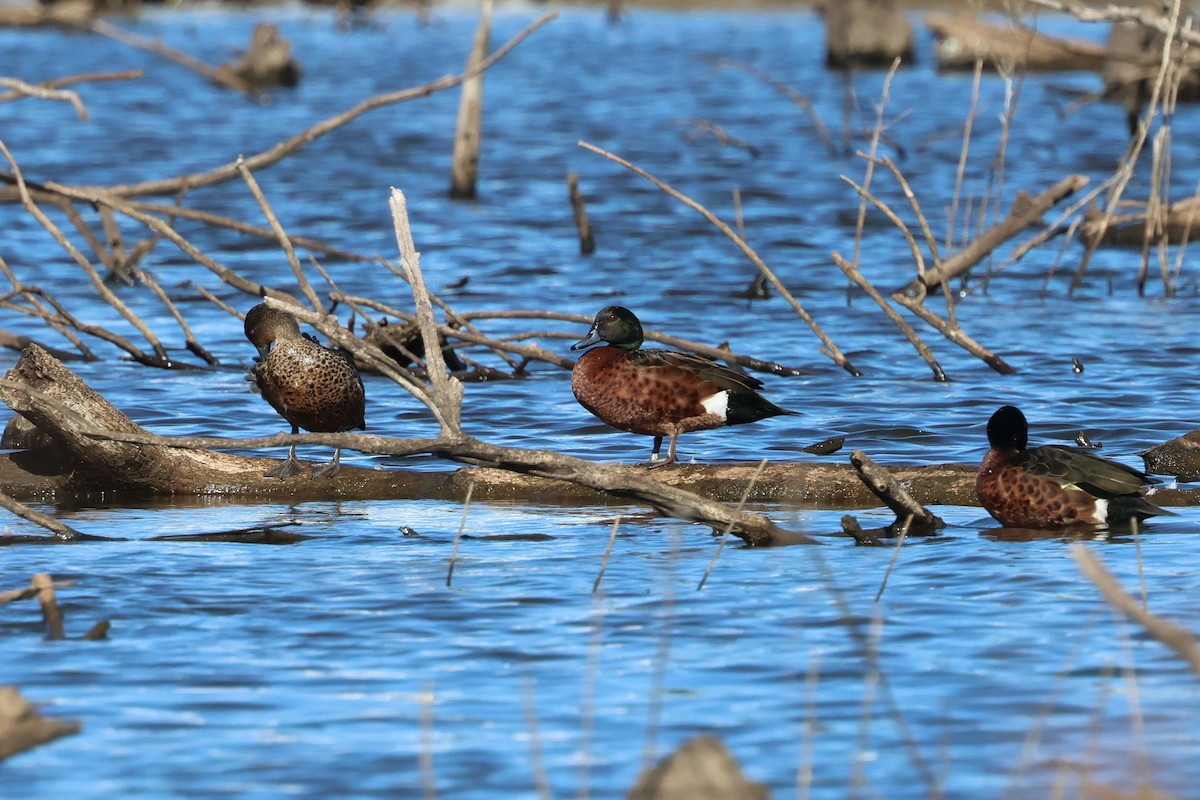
(866,33)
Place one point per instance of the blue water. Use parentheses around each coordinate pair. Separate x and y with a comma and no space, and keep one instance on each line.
(334,666)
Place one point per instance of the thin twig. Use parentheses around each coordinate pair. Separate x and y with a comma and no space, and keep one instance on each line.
(462,525)
(827,346)
(1177,638)
(725,535)
(607,550)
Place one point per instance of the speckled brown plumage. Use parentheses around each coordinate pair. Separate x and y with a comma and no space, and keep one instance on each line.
(659,393)
(1054,486)
(311,386)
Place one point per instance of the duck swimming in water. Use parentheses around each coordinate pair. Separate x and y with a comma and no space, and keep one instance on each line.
(312,387)
(1054,486)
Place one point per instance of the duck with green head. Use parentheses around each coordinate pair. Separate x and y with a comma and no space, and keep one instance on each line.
(659,393)
(1054,486)
(312,387)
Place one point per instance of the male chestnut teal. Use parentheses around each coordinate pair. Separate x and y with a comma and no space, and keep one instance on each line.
(659,392)
(1054,486)
(312,387)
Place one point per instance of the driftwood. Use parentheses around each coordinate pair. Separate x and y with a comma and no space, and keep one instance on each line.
(961,40)
(587,242)
(1138,225)
(865,33)
(99,448)
(468,131)
(22,727)
(912,518)
(1179,457)
(70,14)
(701,769)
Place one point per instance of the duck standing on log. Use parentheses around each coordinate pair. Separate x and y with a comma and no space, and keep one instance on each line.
(312,387)
(1054,486)
(659,392)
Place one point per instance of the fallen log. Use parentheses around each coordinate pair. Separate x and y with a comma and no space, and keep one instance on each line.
(97,448)
(1137,225)
(961,40)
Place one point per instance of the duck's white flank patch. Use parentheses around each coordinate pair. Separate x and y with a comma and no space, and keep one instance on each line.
(1101,511)
(717,404)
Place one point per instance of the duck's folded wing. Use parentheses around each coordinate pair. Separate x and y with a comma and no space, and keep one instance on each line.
(1096,475)
(706,368)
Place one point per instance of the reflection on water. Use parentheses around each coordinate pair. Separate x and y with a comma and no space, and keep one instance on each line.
(331,667)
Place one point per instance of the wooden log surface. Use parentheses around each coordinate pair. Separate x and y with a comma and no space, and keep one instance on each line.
(78,462)
(963,39)
(22,727)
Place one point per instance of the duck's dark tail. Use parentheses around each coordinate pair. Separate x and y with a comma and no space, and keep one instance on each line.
(750,407)
(1125,507)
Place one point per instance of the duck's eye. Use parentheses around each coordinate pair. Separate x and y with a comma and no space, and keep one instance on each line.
(612,317)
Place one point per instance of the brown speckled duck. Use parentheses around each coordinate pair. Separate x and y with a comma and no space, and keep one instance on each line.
(659,392)
(1054,486)
(312,387)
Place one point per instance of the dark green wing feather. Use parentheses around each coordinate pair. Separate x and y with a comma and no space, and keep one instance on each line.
(706,368)
(1096,475)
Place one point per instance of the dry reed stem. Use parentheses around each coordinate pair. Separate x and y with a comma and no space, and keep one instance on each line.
(787,91)
(537,762)
(895,557)
(1174,636)
(804,772)
(876,132)
(922,349)
(428,776)
(658,682)
(462,526)
(276,153)
(827,346)
(280,234)
(607,551)
(725,534)
(21,88)
(960,172)
(926,774)
(1124,172)
(866,196)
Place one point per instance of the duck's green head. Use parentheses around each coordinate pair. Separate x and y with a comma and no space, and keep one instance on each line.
(615,325)
(1008,429)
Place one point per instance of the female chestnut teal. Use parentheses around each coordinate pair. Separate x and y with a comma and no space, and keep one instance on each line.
(1054,486)
(312,387)
(659,392)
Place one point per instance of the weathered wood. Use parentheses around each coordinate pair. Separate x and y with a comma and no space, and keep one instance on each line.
(866,33)
(1179,457)
(701,769)
(1136,225)
(961,40)
(468,132)
(22,727)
